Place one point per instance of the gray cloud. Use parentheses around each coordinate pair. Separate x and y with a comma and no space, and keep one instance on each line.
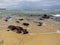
(32,4)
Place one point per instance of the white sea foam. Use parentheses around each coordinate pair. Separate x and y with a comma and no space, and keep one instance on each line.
(58,31)
(57,15)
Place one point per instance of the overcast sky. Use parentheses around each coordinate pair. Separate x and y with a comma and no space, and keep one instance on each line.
(30,4)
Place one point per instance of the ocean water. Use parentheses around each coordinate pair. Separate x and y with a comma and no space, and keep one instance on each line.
(34,14)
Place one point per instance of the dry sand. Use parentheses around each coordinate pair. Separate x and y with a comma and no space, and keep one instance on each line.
(38,35)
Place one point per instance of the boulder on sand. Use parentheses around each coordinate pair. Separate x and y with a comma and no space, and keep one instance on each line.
(17,22)
(45,16)
(19,29)
(21,19)
(26,24)
(25,31)
(11,27)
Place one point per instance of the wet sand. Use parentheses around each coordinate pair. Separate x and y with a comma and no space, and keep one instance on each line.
(38,35)
(11,38)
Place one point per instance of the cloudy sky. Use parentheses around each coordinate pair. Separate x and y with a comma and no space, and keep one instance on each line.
(30,4)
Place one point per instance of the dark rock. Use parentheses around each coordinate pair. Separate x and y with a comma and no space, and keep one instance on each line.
(19,29)
(19,32)
(8,30)
(17,22)
(25,31)
(52,18)
(8,17)
(40,24)
(31,15)
(45,16)
(26,24)
(21,19)
(11,27)
(41,19)
(6,20)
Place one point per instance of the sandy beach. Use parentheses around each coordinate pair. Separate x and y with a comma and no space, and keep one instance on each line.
(47,34)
